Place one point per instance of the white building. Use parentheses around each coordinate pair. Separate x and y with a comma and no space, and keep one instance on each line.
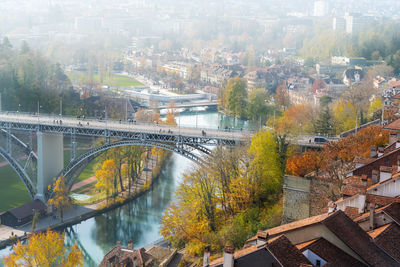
(320,8)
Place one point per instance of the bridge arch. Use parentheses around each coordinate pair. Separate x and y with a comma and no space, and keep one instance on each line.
(75,167)
(23,176)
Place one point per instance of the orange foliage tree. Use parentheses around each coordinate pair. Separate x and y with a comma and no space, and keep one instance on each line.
(44,250)
(342,151)
(305,163)
(359,144)
(297,119)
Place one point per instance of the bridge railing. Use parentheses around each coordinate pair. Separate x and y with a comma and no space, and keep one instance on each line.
(37,118)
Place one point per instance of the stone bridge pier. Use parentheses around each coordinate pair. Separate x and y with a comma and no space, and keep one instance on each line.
(50,161)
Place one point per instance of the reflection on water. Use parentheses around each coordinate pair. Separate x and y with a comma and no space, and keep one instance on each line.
(139,220)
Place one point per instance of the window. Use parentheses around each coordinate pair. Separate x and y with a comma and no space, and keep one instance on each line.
(318,263)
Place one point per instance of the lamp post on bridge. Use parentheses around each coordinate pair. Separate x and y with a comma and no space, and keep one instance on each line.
(38,110)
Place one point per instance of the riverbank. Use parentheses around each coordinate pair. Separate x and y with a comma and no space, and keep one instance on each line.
(79,213)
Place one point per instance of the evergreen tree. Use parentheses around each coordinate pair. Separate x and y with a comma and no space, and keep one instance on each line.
(324,124)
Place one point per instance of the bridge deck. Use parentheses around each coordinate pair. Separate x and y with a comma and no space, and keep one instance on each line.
(92,127)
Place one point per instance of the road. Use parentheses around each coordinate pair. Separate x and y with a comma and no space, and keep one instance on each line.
(125,126)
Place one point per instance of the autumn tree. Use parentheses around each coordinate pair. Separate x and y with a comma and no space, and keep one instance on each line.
(359,144)
(106,178)
(118,156)
(345,115)
(297,119)
(265,166)
(60,199)
(44,250)
(282,96)
(375,108)
(234,96)
(305,163)
(171,114)
(257,106)
(134,160)
(221,200)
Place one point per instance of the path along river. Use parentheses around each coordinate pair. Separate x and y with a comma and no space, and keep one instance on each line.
(139,219)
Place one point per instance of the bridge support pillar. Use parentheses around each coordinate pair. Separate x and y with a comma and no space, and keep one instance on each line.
(50,161)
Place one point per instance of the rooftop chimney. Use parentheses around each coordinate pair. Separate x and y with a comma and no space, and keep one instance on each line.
(262,238)
(381,150)
(371,216)
(118,243)
(385,173)
(397,143)
(130,244)
(228,256)
(206,258)
(375,176)
(392,138)
(332,206)
(398,163)
(373,151)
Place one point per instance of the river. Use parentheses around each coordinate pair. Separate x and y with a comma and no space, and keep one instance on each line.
(139,220)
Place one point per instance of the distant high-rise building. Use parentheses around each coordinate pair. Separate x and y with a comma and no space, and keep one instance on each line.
(339,24)
(355,21)
(320,8)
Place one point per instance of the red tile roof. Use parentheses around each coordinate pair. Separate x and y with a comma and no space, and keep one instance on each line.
(352,189)
(377,231)
(394,126)
(380,200)
(389,240)
(286,253)
(347,231)
(294,225)
(280,247)
(359,241)
(332,254)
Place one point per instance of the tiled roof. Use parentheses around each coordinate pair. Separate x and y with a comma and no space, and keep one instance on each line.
(355,179)
(236,255)
(379,158)
(362,160)
(393,126)
(393,210)
(359,241)
(300,246)
(332,254)
(366,214)
(353,189)
(352,212)
(27,209)
(294,225)
(380,200)
(286,253)
(377,231)
(278,249)
(389,240)
(127,255)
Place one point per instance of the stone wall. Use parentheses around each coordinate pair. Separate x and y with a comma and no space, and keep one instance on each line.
(306,197)
(296,199)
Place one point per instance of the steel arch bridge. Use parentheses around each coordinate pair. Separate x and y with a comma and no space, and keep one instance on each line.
(189,142)
(75,167)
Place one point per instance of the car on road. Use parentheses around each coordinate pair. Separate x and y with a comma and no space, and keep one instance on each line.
(320,139)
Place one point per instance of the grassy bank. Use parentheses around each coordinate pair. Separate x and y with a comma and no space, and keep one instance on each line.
(12,191)
(113,80)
